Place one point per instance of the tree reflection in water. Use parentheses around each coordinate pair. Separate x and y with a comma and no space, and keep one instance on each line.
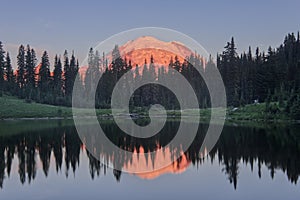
(277,148)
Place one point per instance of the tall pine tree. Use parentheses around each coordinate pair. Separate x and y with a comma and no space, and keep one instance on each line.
(57,80)
(9,75)
(30,62)
(2,66)
(44,78)
(21,71)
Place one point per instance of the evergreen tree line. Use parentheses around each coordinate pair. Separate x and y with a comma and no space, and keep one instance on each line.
(35,82)
(262,77)
(148,94)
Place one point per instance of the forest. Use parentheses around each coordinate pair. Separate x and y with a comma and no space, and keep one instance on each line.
(270,77)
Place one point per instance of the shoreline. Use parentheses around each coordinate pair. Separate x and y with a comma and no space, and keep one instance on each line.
(204,119)
(14,109)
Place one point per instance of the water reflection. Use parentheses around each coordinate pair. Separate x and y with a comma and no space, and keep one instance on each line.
(277,148)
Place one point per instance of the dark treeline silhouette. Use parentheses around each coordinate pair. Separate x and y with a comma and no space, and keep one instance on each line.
(271,77)
(35,82)
(147,94)
(265,77)
(277,148)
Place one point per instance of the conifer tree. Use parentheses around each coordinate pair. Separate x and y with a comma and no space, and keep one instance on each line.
(67,75)
(44,78)
(21,70)
(29,76)
(57,78)
(9,75)
(230,73)
(2,66)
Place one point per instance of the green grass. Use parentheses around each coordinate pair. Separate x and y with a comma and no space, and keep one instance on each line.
(12,107)
(255,113)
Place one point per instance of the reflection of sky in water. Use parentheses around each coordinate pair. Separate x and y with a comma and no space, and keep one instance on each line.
(278,147)
(206,181)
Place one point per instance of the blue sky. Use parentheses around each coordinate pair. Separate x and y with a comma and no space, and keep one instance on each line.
(77,25)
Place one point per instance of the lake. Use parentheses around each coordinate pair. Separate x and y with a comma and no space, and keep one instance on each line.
(45,159)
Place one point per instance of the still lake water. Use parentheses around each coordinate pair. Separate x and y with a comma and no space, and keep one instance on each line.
(45,159)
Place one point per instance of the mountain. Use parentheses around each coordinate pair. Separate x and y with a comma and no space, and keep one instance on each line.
(143,47)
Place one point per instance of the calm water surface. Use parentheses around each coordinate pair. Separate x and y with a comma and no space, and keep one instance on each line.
(46,160)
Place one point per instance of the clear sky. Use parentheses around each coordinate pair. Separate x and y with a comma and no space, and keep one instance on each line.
(77,25)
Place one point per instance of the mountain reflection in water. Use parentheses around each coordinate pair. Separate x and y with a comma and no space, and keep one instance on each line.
(277,148)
